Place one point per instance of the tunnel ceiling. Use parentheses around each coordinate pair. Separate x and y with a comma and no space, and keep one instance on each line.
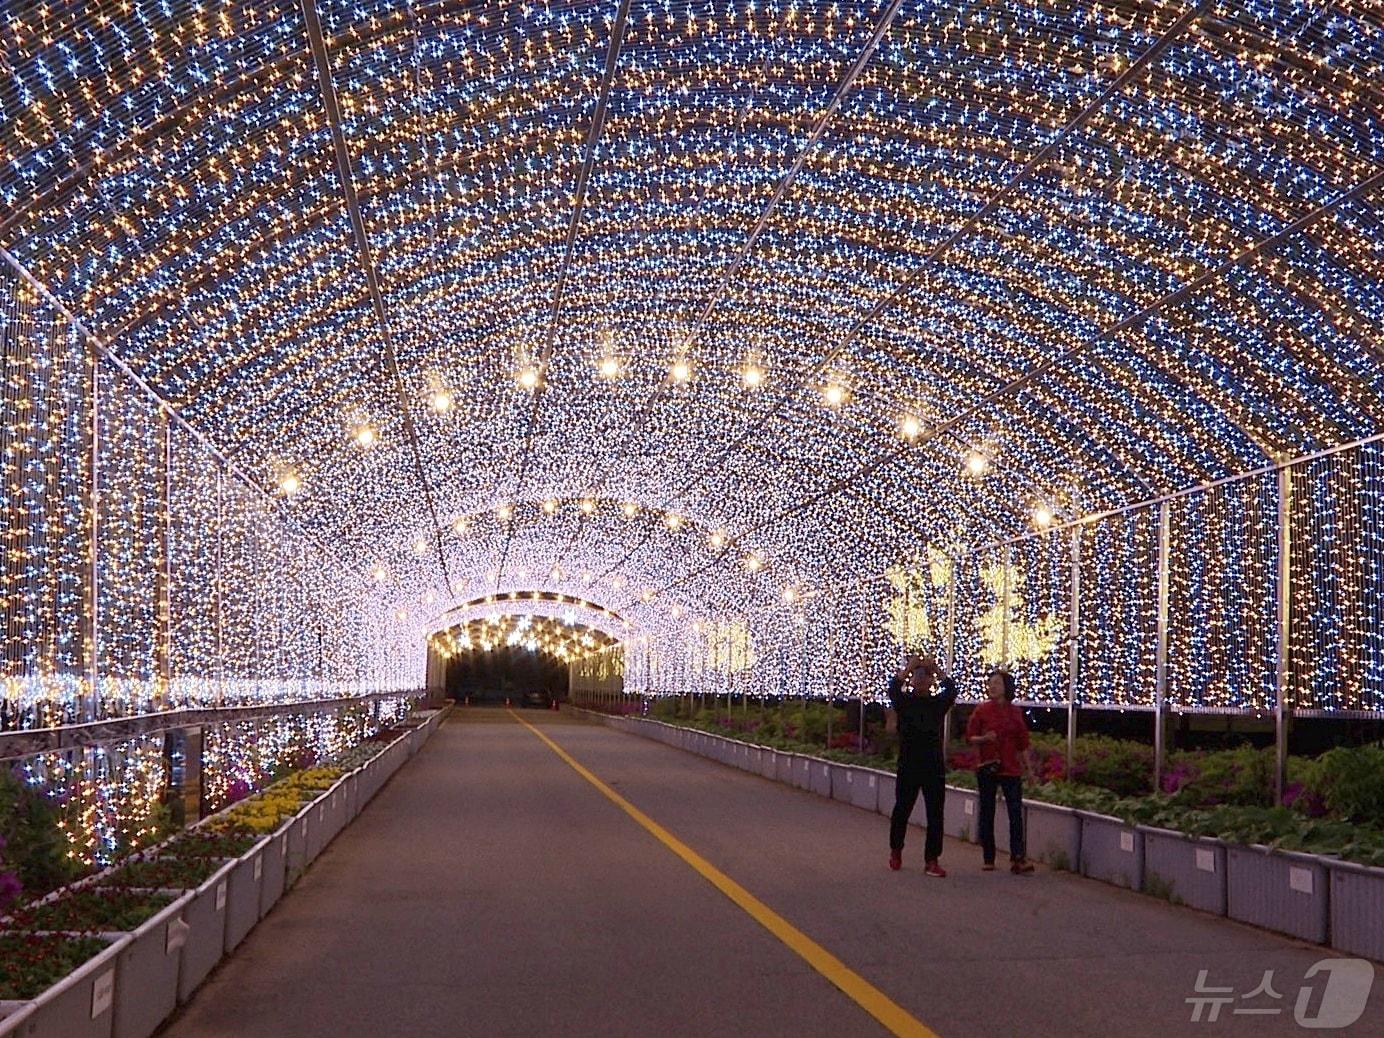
(1119,248)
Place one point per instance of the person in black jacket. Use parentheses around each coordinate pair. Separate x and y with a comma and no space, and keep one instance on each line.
(922,760)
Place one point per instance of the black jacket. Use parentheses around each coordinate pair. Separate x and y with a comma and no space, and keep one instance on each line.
(920,723)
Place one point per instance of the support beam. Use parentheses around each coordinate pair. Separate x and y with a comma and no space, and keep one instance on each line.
(1073,648)
(1160,680)
(1283,676)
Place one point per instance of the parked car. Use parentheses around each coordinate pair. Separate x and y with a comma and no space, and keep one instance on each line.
(537,699)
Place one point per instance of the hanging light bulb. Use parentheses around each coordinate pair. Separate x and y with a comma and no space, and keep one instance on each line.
(460,525)
(680,371)
(420,547)
(504,512)
(289,483)
(1043,516)
(440,400)
(754,562)
(752,374)
(365,436)
(530,377)
(977,464)
(717,540)
(629,509)
(587,506)
(378,573)
(550,506)
(910,428)
(834,394)
(673,521)
(608,366)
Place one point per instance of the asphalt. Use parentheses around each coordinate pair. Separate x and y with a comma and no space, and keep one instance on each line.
(490,889)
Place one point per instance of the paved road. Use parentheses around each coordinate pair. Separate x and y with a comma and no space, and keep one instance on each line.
(491,889)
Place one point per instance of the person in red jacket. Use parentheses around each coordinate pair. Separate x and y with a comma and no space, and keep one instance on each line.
(998,731)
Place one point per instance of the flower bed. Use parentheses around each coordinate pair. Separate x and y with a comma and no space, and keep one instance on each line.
(91,910)
(35,962)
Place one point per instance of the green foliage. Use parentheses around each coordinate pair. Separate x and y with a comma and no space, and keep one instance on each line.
(34,963)
(34,845)
(1352,782)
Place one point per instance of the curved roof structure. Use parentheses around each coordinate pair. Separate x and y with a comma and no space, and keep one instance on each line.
(690,302)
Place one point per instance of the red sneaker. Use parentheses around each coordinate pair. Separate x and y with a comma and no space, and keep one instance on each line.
(896,860)
(933,869)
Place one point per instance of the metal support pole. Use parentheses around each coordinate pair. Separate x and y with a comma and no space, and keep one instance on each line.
(91,713)
(165,589)
(1282,685)
(1073,648)
(1160,684)
(949,646)
(1008,565)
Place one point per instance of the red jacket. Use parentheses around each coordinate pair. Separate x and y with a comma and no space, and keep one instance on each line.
(1007,721)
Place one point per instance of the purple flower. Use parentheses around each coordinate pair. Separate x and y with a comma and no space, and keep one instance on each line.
(10,887)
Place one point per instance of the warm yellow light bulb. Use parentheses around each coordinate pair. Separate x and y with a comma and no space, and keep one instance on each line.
(1042,517)
(290,484)
(440,401)
(587,506)
(717,540)
(504,512)
(673,521)
(529,377)
(833,394)
(460,525)
(977,464)
(681,371)
(366,436)
(629,509)
(754,563)
(608,367)
(550,506)
(752,375)
(910,428)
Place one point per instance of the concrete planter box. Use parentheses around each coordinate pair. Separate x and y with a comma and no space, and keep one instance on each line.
(273,881)
(1357,909)
(749,760)
(244,892)
(886,791)
(81,1005)
(802,772)
(856,786)
(296,846)
(769,763)
(1184,870)
(1111,851)
(206,939)
(819,777)
(1278,890)
(146,975)
(350,790)
(1053,835)
(962,818)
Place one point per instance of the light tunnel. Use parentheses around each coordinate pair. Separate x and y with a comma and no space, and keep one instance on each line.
(755,345)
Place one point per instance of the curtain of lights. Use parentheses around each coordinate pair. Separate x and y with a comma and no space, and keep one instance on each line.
(140,574)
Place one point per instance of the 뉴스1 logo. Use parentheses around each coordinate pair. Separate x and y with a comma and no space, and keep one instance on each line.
(1332,996)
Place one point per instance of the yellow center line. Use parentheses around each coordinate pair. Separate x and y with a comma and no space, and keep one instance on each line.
(874,1001)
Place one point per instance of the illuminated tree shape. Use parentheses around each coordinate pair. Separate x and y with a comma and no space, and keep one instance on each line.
(1001,623)
(909,624)
(729,648)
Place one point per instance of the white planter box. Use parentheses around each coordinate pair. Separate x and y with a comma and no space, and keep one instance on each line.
(205,915)
(1053,835)
(1278,890)
(273,882)
(296,846)
(962,818)
(802,772)
(787,767)
(819,776)
(146,976)
(856,786)
(1111,851)
(886,791)
(1184,870)
(81,1005)
(244,894)
(768,763)
(1357,909)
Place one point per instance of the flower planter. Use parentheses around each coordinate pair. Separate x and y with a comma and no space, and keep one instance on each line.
(802,772)
(1278,890)
(206,938)
(1111,851)
(272,882)
(1052,834)
(1357,909)
(962,818)
(769,763)
(1184,870)
(350,789)
(316,826)
(885,789)
(296,846)
(820,776)
(856,786)
(146,975)
(787,767)
(81,1005)
(749,759)
(244,893)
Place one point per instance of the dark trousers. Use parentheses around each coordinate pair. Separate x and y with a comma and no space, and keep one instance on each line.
(1013,787)
(908,784)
